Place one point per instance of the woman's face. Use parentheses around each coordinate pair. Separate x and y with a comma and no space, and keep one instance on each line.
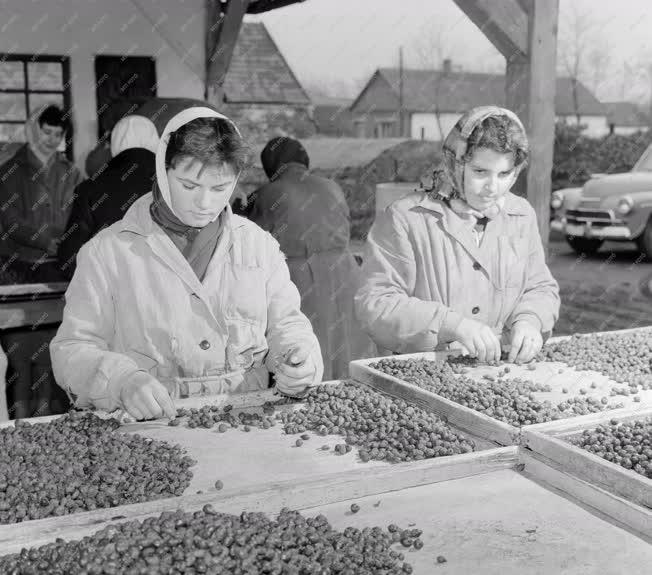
(199,193)
(488,176)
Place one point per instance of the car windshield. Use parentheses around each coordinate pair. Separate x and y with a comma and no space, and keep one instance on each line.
(644,163)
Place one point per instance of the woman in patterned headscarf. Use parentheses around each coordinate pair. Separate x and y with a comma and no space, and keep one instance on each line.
(463,261)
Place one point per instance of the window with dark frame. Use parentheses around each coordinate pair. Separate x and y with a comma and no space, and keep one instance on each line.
(29,82)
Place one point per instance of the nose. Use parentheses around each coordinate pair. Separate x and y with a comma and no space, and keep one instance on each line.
(491,185)
(203,199)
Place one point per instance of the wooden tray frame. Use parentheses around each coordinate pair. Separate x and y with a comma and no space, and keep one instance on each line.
(553,446)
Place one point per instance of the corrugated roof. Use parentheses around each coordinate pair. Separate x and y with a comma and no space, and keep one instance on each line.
(456,92)
(259,73)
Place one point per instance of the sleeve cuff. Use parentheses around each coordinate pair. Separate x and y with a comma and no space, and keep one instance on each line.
(449,326)
(530,318)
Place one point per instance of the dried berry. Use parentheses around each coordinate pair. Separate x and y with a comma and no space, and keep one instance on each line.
(355,508)
(418,544)
(219,484)
(207,541)
(383,428)
(508,400)
(621,357)
(628,444)
(80,462)
(441,559)
(298,442)
(305,437)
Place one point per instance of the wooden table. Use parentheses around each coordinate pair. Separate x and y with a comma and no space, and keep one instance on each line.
(488,510)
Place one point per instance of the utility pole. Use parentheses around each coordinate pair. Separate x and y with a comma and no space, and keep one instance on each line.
(400,90)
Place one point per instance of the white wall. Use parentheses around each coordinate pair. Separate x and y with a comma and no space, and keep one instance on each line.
(628,130)
(171,31)
(430,126)
(596,126)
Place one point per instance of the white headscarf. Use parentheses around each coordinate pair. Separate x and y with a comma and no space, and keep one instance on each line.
(181,119)
(134,132)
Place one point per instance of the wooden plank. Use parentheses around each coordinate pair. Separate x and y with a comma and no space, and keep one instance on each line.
(634,517)
(308,492)
(31,313)
(459,416)
(33,289)
(582,422)
(591,468)
(503,22)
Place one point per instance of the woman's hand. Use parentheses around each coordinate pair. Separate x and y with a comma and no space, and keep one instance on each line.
(295,370)
(479,340)
(143,397)
(526,342)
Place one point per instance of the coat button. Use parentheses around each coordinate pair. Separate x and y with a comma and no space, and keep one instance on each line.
(475,310)
(205,344)
(477,266)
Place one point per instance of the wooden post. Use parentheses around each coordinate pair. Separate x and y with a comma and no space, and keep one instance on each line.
(222,29)
(542,85)
(525,32)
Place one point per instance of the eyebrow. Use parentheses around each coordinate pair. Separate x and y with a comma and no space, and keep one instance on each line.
(189,181)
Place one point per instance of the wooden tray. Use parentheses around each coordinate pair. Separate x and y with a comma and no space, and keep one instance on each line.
(553,444)
(556,374)
(465,519)
(261,457)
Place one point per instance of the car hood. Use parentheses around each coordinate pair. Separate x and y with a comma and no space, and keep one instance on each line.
(617,185)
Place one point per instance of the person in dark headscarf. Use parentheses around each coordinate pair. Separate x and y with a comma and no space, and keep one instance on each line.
(309,217)
(181,297)
(106,196)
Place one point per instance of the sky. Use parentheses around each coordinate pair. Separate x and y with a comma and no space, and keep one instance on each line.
(335,45)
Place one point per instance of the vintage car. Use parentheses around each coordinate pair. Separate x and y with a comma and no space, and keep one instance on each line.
(614,207)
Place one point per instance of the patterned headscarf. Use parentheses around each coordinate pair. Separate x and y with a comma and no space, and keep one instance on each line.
(448,180)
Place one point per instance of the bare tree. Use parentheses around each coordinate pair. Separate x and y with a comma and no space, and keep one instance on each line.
(582,51)
(434,47)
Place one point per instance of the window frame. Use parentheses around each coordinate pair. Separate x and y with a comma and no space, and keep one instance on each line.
(25,90)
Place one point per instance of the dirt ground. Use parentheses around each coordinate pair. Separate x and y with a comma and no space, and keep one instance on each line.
(608,291)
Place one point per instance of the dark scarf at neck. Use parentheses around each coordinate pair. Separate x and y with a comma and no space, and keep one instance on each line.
(196,244)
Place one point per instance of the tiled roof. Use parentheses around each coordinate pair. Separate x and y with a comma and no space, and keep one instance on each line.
(258,72)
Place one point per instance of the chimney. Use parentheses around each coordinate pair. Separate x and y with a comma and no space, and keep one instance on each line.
(447,66)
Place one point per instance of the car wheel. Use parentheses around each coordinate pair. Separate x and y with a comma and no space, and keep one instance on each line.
(644,241)
(586,246)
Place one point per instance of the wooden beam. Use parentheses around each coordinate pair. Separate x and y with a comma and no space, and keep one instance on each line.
(222,29)
(502,21)
(530,92)
(259,6)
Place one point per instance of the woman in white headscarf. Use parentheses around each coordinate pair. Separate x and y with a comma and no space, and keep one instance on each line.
(104,198)
(181,296)
(462,263)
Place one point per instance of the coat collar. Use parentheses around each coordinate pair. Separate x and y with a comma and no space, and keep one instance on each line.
(513,204)
(138,220)
(462,233)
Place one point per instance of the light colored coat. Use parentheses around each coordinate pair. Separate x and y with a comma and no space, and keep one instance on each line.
(135,303)
(423,272)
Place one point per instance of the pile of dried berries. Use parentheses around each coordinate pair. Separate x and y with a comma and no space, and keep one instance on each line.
(628,444)
(508,400)
(210,542)
(625,358)
(78,462)
(382,427)
(224,417)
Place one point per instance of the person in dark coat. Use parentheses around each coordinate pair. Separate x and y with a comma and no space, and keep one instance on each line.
(104,198)
(309,217)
